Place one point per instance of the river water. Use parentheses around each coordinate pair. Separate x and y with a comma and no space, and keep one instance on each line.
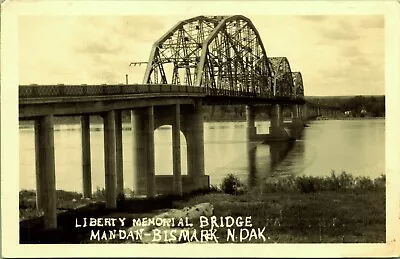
(354,146)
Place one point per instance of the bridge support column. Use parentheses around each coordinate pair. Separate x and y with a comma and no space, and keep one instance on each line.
(194,128)
(198,148)
(276,130)
(149,150)
(45,169)
(305,112)
(86,161)
(250,119)
(137,123)
(119,155)
(110,159)
(176,151)
(39,184)
(143,134)
(297,125)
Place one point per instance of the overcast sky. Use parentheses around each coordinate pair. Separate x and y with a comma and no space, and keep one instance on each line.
(337,55)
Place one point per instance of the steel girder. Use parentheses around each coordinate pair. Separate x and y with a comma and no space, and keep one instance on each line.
(233,58)
(215,52)
(298,84)
(176,54)
(282,77)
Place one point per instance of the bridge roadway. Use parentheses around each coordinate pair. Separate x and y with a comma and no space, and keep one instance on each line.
(151,106)
(74,100)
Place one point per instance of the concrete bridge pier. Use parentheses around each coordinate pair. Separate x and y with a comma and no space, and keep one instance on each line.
(45,169)
(176,151)
(304,112)
(276,130)
(110,159)
(149,150)
(297,124)
(86,161)
(143,135)
(139,166)
(189,121)
(194,124)
(250,119)
(119,154)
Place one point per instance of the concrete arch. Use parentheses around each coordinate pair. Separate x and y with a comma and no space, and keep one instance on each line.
(185,151)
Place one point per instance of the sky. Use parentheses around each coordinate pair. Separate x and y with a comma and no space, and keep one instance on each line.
(336,54)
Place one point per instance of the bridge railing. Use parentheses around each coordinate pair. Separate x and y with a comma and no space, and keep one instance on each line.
(42,91)
(38,91)
(237,93)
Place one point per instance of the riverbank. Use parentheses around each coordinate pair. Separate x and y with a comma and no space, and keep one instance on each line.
(339,209)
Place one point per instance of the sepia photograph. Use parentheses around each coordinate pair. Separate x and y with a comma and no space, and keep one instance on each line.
(201,124)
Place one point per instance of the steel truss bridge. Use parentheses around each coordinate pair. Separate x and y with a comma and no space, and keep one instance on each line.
(221,58)
(208,60)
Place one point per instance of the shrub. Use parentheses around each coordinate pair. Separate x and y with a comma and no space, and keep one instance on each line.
(305,184)
(214,188)
(100,193)
(364,183)
(67,195)
(308,184)
(284,184)
(380,182)
(27,203)
(232,185)
(346,180)
(129,193)
(332,182)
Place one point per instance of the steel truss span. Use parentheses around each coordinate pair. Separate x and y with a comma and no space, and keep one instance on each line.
(283,85)
(298,84)
(223,54)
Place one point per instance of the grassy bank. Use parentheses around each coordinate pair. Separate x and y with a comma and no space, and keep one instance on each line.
(337,208)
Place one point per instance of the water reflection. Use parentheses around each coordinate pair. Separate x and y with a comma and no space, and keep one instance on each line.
(264,159)
(252,179)
(355,146)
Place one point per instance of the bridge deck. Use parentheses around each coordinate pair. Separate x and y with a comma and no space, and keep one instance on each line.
(62,100)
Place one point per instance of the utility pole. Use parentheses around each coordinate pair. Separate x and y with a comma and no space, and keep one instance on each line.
(138,63)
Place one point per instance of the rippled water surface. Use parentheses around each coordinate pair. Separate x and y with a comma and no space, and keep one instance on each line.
(354,146)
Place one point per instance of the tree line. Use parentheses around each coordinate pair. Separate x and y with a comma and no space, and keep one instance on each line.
(356,106)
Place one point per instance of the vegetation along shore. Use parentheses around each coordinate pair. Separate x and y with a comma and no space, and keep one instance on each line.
(295,209)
